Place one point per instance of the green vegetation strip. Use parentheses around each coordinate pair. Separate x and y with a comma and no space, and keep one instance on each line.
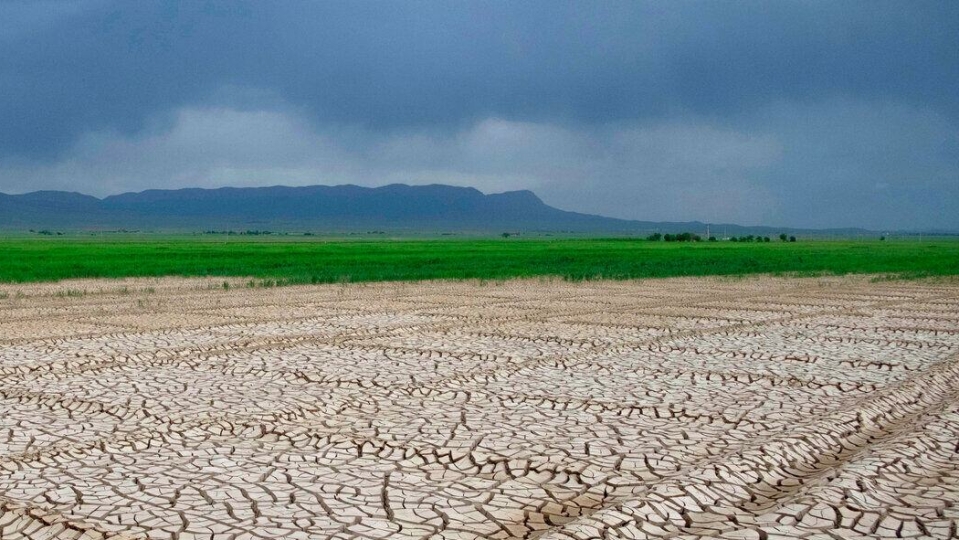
(325,261)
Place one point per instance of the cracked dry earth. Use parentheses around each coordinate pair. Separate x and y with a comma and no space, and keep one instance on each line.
(684,408)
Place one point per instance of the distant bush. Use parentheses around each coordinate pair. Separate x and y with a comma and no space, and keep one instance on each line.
(655,237)
(792,238)
(783,237)
(752,238)
(712,239)
(682,237)
(246,233)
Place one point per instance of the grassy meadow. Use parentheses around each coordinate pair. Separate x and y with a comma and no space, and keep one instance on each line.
(281,262)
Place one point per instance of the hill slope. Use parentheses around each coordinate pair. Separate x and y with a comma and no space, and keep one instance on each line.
(395,207)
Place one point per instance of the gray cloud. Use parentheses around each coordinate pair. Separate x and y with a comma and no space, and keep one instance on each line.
(807,114)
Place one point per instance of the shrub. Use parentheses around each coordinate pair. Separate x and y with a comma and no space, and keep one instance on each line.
(782,237)
(792,238)
(682,237)
(655,237)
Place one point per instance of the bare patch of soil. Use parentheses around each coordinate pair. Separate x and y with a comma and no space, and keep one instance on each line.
(753,408)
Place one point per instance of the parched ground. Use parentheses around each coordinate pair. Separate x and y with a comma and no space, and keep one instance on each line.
(683,408)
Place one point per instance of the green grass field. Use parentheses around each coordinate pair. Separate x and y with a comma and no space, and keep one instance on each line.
(330,261)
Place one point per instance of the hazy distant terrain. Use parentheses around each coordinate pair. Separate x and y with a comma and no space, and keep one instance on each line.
(396,207)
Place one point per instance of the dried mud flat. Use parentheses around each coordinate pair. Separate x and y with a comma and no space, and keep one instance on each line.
(684,408)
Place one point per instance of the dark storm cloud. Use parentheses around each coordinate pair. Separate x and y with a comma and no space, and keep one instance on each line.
(116,95)
(442,64)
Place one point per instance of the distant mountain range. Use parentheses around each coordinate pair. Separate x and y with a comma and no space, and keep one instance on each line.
(394,208)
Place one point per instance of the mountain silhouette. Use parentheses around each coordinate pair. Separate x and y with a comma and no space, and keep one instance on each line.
(395,207)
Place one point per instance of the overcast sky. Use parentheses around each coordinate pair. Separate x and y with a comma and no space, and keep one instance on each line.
(807,114)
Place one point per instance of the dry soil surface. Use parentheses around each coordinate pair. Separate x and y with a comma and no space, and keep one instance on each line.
(685,408)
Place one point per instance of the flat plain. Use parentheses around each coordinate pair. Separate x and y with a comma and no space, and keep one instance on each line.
(757,407)
(308,260)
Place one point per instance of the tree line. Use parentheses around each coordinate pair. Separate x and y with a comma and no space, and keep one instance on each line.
(690,237)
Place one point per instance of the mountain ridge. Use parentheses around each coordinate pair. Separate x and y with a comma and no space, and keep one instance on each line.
(434,207)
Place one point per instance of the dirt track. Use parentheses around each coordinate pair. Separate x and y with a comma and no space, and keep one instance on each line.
(529,409)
